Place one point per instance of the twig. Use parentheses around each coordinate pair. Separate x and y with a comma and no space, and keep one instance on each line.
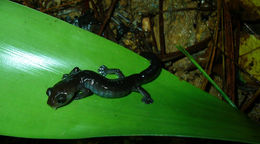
(189,9)
(174,56)
(222,45)
(108,16)
(100,9)
(27,3)
(97,16)
(249,52)
(242,69)
(209,65)
(153,34)
(229,47)
(250,103)
(161,28)
(62,5)
(236,23)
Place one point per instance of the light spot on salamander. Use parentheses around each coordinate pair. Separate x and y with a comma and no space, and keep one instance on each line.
(92,82)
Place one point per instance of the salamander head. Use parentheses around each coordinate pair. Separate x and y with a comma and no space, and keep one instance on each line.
(60,95)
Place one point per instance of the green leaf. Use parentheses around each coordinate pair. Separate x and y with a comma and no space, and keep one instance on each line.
(36,49)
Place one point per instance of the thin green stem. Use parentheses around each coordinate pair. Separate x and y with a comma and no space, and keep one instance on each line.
(224,95)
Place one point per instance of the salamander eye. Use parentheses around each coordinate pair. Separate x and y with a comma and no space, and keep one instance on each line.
(76,69)
(48,92)
(61,98)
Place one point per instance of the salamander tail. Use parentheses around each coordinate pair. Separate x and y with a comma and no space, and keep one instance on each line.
(153,71)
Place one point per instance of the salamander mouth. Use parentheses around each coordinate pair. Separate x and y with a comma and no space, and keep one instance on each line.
(53,104)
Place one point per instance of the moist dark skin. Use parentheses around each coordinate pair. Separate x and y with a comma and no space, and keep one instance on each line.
(79,84)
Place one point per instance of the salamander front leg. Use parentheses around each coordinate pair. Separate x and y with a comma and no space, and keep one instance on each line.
(74,71)
(103,70)
(146,96)
(82,94)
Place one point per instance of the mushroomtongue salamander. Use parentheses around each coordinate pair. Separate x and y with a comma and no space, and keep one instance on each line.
(79,84)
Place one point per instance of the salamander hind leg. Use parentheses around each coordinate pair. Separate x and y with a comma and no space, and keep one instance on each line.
(103,70)
(65,76)
(146,96)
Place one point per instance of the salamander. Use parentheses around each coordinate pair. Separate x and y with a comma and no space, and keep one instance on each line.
(79,84)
